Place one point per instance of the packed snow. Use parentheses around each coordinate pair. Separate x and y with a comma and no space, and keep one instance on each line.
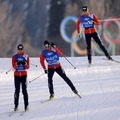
(98,84)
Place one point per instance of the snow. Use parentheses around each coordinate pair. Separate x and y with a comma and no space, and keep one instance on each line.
(99,86)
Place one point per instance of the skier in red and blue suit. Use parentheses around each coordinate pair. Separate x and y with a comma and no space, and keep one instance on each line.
(89,21)
(20,62)
(51,54)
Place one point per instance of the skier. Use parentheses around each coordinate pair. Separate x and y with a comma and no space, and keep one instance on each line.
(51,54)
(89,21)
(20,62)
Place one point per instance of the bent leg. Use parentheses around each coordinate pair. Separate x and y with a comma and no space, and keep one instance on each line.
(50,80)
(61,72)
(98,41)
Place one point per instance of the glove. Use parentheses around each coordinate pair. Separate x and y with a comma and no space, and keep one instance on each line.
(46,71)
(18,63)
(91,22)
(21,63)
(79,35)
(53,45)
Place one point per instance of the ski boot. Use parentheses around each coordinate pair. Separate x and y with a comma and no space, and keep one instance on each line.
(51,96)
(26,108)
(110,58)
(15,108)
(89,61)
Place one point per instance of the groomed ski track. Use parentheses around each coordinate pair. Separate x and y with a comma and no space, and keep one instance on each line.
(98,84)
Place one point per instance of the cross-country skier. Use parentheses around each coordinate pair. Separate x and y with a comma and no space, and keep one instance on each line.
(51,54)
(20,62)
(89,21)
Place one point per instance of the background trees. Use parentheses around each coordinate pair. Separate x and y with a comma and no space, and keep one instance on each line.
(32,21)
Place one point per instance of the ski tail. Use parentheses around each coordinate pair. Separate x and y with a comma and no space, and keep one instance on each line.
(111,60)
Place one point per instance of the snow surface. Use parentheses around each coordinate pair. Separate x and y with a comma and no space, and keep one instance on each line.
(99,86)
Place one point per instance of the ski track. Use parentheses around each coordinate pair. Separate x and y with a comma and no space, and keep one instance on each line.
(100,80)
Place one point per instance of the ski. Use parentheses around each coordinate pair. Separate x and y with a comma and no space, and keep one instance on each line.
(13,112)
(23,112)
(47,100)
(111,60)
(89,65)
(20,112)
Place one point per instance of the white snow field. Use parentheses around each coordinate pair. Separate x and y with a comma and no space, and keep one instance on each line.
(99,86)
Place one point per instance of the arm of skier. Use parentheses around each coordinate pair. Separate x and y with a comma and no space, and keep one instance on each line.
(58,51)
(96,20)
(14,63)
(27,63)
(78,26)
(42,59)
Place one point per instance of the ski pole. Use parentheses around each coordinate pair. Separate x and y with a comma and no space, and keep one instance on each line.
(9,70)
(68,60)
(111,19)
(33,65)
(36,78)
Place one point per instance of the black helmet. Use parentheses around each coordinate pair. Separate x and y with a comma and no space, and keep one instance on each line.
(84,8)
(20,47)
(46,43)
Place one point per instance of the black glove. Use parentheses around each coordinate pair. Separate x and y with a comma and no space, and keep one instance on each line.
(91,22)
(46,71)
(21,63)
(18,63)
(53,45)
(79,35)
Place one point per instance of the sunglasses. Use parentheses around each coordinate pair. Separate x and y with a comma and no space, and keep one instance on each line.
(47,46)
(20,49)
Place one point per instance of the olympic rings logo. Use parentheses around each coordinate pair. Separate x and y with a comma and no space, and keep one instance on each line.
(107,34)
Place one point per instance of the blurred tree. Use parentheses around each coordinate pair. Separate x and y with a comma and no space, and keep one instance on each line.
(56,14)
(78,2)
(112,7)
(73,7)
(95,7)
(11,30)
